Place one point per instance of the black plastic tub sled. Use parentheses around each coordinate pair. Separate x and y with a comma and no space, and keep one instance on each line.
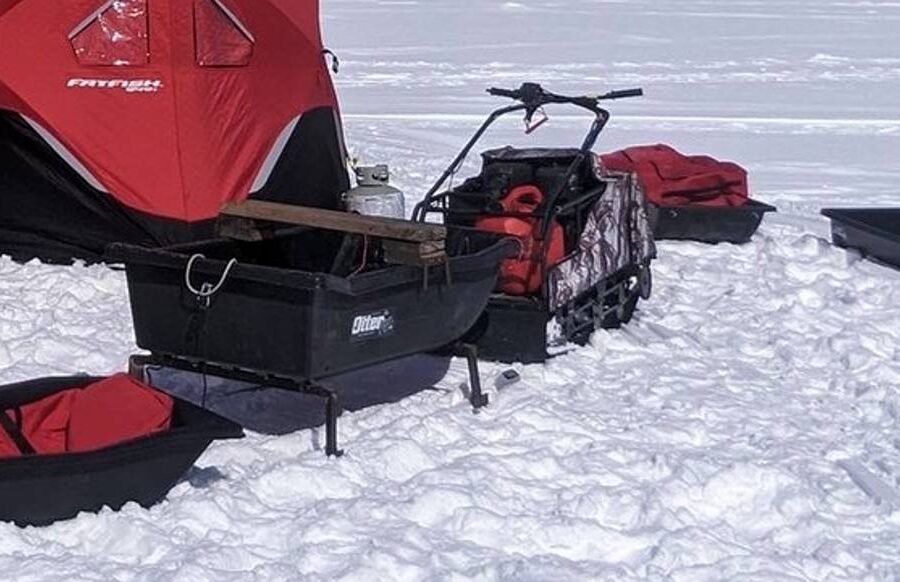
(721,224)
(875,232)
(53,464)
(272,306)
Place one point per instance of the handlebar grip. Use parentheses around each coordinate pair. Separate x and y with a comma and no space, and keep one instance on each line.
(624,94)
(503,93)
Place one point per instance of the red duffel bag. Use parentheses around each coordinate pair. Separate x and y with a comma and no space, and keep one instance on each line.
(670,178)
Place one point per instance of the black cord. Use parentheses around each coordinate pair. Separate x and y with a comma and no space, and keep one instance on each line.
(205,390)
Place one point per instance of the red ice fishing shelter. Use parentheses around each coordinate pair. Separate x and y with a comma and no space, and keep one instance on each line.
(136,120)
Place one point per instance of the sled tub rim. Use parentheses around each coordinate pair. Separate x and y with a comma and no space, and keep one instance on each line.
(173,257)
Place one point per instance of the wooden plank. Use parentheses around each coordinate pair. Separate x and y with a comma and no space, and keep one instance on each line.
(389,228)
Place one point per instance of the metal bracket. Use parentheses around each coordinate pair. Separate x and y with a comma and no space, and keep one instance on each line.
(478,398)
(333,408)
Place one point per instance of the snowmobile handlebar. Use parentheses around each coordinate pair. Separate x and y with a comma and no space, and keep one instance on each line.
(623,94)
(511,93)
(533,96)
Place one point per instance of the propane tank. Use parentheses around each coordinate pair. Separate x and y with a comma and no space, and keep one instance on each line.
(523,275)
(373,195)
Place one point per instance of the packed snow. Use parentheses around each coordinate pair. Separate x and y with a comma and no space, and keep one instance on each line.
(743,427)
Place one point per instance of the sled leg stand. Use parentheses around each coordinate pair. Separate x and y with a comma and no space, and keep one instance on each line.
(333,408)
(332,411)
(478,399)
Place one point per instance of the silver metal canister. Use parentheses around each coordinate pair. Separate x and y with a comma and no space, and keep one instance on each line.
(373,195)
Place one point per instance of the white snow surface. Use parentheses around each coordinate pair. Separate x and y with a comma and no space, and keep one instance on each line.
(743,427)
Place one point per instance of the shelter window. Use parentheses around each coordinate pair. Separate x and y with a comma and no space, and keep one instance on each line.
(221,39)
(114,35)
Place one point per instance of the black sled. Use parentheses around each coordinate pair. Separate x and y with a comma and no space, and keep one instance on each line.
(875,232)
(42,489)
(275,312)
(608,240)
(267,307)
(713,225)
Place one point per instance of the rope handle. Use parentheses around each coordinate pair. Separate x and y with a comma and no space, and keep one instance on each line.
(206,290)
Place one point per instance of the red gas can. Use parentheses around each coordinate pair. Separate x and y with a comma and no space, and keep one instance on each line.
(523,275)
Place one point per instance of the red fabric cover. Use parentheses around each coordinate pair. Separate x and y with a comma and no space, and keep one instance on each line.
(116,410)
(116,36)
(44,424)
(103,414)
(670,178)
(220,41)
(6,5)
(169,138)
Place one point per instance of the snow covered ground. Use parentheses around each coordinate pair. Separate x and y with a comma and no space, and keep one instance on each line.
(743,427)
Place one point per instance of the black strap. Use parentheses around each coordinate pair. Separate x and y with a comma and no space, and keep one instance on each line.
(14,430)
